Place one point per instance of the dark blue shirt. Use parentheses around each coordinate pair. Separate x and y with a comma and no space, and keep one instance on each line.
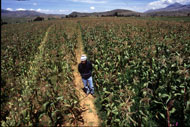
(85,70)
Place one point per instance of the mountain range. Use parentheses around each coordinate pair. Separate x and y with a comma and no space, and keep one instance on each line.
(175,9)
(27,14)
(116,12)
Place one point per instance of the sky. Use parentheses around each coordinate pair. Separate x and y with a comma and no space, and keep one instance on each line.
(68,6)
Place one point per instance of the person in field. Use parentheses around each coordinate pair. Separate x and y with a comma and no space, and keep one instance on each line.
(85,69)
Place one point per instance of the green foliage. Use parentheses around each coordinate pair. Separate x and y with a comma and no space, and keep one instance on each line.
(42,93)
(141,70)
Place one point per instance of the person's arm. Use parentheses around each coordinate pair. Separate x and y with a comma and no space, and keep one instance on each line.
(79,68)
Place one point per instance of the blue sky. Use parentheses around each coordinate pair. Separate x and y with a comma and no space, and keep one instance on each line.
(68,6)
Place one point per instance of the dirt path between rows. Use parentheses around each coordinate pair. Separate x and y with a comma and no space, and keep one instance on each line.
(90,115)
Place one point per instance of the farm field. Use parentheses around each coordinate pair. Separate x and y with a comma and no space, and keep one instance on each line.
(140,71)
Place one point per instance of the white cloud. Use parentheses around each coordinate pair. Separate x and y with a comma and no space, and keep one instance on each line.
(34,4)
(92,8)
(63,10)
(48,11)
(39,10)
(90,1)
(163,3)
(43,10)
(73,10)
(20,9)
(31,9)
(106,10)
(9,9)
(84,11)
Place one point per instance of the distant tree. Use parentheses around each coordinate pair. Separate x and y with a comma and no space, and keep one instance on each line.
(51,18)
(188,14)
(67,16)
(115,14)
(39,19)
(30,20)
(2,22)
(154,15)
(73,16)
(120,15)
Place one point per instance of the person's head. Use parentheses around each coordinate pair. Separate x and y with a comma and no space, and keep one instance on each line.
(83,59)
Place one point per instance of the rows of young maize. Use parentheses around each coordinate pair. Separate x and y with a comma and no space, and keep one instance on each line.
(19,43)
(42,94)
(141,70)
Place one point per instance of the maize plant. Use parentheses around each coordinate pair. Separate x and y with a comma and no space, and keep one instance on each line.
(38,81)
(141,70)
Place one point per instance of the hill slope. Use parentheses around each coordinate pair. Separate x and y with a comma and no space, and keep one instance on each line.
(26,14)
(175,9)
(117,12)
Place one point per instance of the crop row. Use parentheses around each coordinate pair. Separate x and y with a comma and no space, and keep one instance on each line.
(19,44)
(45,93)
(141,70)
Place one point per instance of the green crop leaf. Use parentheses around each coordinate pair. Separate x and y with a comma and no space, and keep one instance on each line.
(54,114)
(97,62)
(41,115)
(45,106)
(60,98)
(173,110)
(173,65)
(117,120)
(108,112)
(162,115)
(164,95)
(25,112)
(157,102)
(182,86)
(145,84)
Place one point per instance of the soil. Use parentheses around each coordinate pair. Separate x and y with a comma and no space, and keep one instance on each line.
(86,101)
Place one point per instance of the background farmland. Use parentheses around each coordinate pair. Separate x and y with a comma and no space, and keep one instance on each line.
(140,71)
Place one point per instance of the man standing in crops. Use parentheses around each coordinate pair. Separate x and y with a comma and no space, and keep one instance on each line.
(85,69)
